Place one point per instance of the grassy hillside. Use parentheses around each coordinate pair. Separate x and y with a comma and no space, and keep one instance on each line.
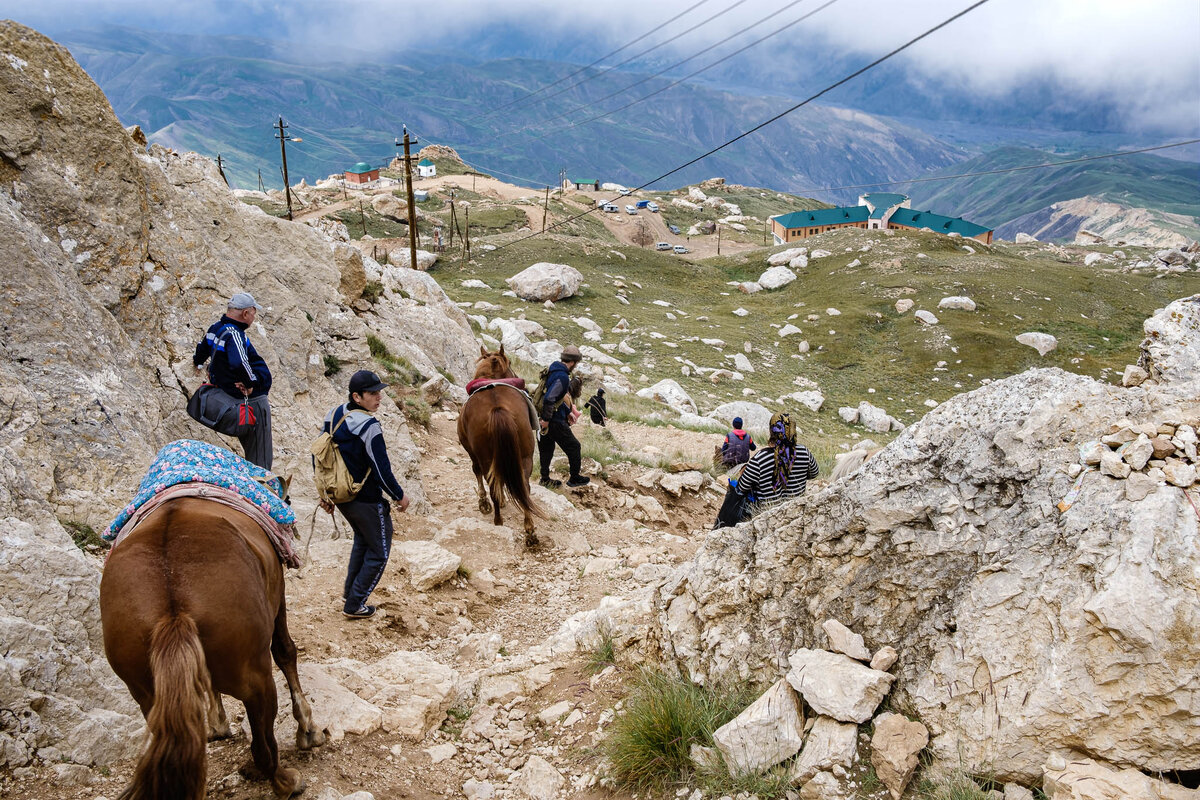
(1095,313)
(1142,180)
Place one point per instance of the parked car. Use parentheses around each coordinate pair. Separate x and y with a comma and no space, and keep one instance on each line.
(680,249)
(611,208)
(630,210)
(673,229)
(662,246)
(653,206)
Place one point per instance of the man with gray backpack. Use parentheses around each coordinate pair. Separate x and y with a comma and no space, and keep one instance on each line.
(353,472)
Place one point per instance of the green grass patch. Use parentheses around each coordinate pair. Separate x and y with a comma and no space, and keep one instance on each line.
(604,654)
(332,365)
(396,368)
(372,291)
(417,411)
(84,535)
(648,746)
(716,780)
(956,784)
(488,220)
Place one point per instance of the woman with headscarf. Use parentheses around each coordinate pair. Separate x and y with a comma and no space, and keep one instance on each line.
(778,472)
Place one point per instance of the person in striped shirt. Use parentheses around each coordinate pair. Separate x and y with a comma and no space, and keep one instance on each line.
(779,471)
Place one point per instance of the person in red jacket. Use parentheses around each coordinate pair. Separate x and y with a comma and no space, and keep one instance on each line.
(737,446)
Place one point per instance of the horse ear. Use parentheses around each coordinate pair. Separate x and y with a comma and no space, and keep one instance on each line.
(483,351)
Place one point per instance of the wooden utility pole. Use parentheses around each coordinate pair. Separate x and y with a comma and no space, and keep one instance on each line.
(412,205)
(453,219)
(362,216)
(467,238)
(262,187)
(718,239)
(282,136)
(545,208)
(221,169)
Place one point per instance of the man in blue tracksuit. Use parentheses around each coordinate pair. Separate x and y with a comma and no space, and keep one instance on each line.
(555,428)
(241,374)
(360,442)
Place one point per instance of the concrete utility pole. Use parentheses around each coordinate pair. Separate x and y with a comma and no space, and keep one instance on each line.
(412,206)
(282,136)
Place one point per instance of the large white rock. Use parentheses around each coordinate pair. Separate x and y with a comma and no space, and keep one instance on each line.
(545,281)
(538,779)
(894,748)
(754,416)
(925,316)
(1171,349)
(829,744)
(957,303)
(785,256)
(961,507)
(1042,342)
(741,363)
(670,393)
(413,690)
(1025,238)
(788,330)
(427,563)
(903,305)
(835,685)
(812,399)
(845,641)
(1086,779)
(874,418)
(776,278)
(769,730)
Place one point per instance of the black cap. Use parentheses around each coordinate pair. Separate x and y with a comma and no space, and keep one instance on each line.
(366,381)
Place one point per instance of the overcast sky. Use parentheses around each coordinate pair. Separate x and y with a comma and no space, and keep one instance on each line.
(1142,56)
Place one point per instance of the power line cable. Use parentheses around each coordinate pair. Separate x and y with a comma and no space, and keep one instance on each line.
(778,116)
(1002,170)
(679,35)
(593,64)
(673,84)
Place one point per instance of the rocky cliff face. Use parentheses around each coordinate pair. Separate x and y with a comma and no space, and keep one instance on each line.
(117,259)
(1025,631)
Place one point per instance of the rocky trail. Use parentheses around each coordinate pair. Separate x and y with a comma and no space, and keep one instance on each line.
(503,602)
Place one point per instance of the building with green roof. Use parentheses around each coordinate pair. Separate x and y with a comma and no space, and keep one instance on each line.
(875,211)
(426,168)
(362,173)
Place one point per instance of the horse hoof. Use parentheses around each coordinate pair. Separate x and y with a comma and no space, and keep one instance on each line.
(307,740)
(288,783)
(485,507)
(220,733)
(531,539)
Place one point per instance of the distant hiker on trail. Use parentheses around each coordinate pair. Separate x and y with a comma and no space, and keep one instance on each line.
(597,407)
(780,471)
(554,411)
(737,446)
(359,438)
(241,407)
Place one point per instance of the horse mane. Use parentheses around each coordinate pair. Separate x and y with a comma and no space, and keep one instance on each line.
(848,463)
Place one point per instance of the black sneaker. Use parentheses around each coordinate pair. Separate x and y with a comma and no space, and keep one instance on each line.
(579,480)
(551,483)
(363,612)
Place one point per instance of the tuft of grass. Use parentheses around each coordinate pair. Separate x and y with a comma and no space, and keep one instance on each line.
(648,747)
(956,784)
(84,535)
(372,291)
(456,718)
(604,655)
(332,366)
(463,571)
(717,780)
(397,369)
(417,411)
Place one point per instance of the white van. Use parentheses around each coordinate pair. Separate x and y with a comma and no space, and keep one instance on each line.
(631,211)
(662,246)
(680,249)
(611,208)
(652,206)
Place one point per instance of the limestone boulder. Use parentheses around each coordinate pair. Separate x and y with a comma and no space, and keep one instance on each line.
(829,744)
(538,780)
(845,641)
(1042,342)
(544,281)
(835,685)
(390,206)
(894,748)
(670,393)
(812,399)
(754,416)
(957,303)
(1086,779)
(962,506)
(768,731)
(1171,349)
(428,564)
(785,256)
(926,317)
(413,690)
(903,305)
(776,278)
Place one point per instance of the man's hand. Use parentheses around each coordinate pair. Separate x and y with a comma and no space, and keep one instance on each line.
(326,506)
(199,368)
(403,503)
(545,425)
(242,388)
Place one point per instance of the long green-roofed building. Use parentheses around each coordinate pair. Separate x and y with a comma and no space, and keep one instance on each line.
(875,211)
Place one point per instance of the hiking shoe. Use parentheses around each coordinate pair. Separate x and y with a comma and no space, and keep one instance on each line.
(363,612)
(551,483)
(579,480)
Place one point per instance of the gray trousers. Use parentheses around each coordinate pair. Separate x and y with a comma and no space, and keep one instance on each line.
(257,444)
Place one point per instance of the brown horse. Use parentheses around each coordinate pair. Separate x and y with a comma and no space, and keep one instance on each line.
(494,429)
(192,606)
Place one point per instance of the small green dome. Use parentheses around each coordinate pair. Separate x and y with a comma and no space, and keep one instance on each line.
(360,168)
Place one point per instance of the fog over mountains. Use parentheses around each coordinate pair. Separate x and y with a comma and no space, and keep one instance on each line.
(348,89)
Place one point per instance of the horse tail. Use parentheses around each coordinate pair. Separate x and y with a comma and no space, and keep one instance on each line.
(175,761)
(505,471)
(848,463)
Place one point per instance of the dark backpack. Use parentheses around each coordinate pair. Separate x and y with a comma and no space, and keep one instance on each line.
(738,451)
